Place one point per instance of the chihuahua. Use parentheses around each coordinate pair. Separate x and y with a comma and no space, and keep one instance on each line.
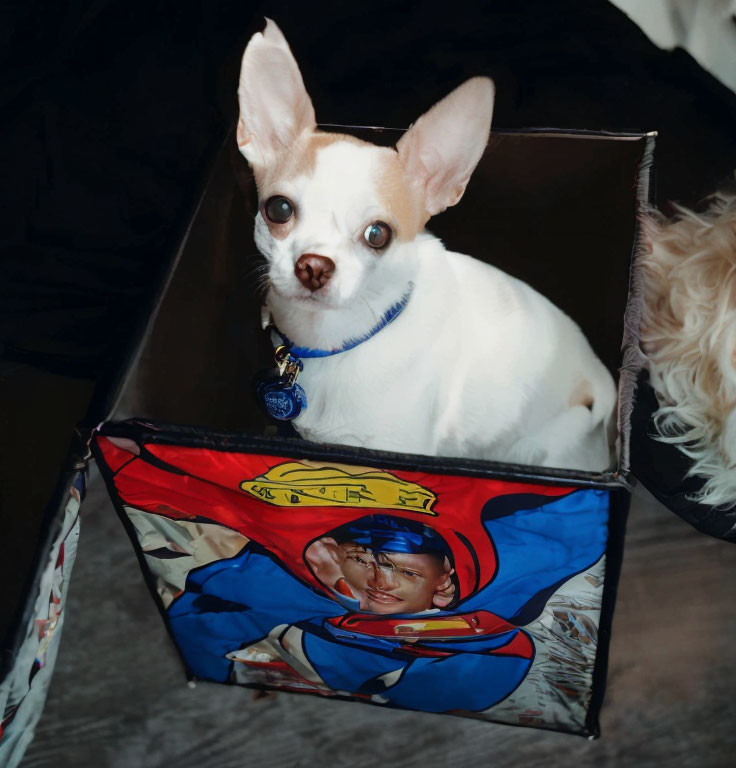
(403,345)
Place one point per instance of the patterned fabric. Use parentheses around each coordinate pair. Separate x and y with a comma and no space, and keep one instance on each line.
(434,592)
(23,691)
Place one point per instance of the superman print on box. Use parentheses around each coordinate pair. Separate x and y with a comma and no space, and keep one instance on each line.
(435,592)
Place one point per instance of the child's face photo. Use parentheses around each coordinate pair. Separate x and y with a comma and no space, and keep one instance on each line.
(393,582)
(382,582)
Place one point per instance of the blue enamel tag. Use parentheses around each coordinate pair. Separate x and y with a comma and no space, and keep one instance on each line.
(282,401)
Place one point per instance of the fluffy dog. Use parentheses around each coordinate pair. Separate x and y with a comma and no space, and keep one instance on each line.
(406,346)
(689,337)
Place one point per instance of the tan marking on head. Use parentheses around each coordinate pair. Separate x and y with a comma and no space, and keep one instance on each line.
(582,395)
(400,197)
(299,159)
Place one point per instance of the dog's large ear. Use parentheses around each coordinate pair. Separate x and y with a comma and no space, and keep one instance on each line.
(440,151)
(274,105)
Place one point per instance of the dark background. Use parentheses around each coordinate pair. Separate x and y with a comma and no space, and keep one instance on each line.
(113,110)
(111,114)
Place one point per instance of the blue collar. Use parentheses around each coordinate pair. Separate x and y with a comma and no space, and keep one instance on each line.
(388,316)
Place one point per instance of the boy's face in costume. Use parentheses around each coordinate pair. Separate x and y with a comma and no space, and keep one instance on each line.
(394,582)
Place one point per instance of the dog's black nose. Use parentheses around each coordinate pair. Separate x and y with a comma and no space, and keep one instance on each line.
(313,270)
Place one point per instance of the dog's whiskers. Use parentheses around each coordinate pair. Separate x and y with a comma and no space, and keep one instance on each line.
(258,274)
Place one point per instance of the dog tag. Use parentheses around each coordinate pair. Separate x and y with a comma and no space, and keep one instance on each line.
(282,398)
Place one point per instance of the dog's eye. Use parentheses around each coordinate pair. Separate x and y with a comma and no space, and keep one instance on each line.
(278,209)
(377,235)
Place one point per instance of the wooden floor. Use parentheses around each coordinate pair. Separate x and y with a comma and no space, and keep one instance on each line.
(119,697)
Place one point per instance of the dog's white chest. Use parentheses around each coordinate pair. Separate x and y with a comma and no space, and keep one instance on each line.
(376,396)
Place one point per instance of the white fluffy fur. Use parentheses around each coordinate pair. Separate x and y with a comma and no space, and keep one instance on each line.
(478,364)
(689,336)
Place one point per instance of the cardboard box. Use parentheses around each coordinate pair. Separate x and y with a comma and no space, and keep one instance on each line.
(447,585)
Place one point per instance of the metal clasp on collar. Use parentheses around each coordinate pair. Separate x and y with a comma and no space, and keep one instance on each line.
(288,366)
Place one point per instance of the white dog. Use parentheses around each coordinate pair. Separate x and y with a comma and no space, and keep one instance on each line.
(447,355)
(689,335)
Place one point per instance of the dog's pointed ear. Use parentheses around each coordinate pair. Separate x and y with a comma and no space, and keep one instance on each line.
(275,108)
(440,151)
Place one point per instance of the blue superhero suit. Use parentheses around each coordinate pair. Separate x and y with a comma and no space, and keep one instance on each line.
(540,542)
